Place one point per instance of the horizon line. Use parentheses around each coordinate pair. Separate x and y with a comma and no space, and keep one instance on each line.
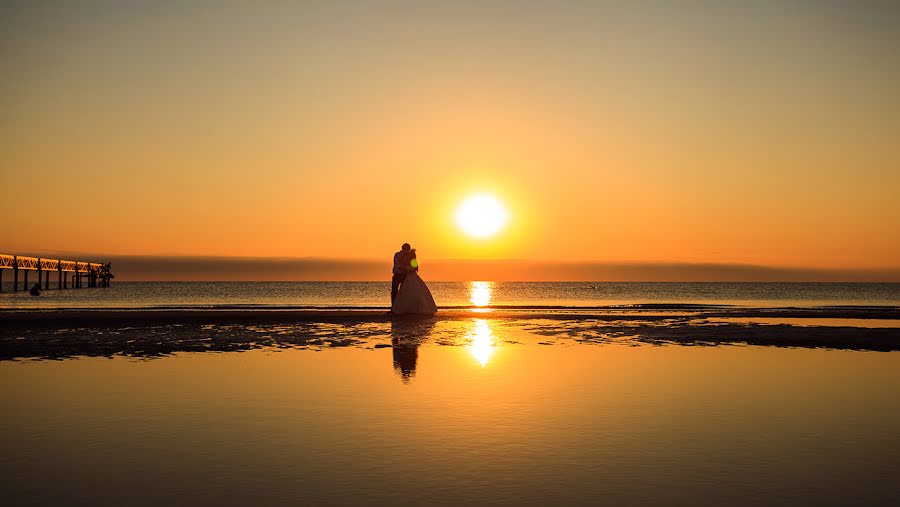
(51,254)
(210,268)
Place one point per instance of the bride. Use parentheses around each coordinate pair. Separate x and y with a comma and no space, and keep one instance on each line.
(414,296)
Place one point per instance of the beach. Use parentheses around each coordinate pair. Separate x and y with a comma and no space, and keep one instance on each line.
(350,407)
(507,396)
(154,332)
(508,401)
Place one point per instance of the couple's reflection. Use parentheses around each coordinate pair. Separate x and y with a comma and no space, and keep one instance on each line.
(407,333)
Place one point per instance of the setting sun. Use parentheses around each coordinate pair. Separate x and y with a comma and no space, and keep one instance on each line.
(481,216)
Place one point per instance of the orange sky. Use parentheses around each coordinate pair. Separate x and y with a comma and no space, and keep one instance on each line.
(763,134)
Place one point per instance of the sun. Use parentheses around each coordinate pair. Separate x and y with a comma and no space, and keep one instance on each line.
(481,216)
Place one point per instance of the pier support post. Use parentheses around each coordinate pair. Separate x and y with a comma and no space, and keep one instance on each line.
(46,280)
(75,277)
(26,280)
(59,272)
(40,273)
(15,273)
(1,280)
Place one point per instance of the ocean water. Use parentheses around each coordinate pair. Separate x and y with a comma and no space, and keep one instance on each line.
(470,412)
(455,294)
(469,408)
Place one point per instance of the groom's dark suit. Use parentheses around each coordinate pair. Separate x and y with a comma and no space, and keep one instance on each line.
(399,275)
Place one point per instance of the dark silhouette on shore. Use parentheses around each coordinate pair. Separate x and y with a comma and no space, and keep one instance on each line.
(53,334)
(400,270)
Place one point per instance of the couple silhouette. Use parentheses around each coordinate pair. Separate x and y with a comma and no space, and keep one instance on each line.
(409,294)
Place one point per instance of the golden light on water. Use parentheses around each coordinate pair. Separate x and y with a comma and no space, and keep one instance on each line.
(482,342)
(480,293)
(481,216)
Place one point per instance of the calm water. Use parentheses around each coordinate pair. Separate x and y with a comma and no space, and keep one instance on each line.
(456,410)
(485,414)
(449,294)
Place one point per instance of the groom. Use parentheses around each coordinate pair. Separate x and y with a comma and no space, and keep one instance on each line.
(399,272)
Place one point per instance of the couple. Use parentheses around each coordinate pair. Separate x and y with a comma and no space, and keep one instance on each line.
(413,295)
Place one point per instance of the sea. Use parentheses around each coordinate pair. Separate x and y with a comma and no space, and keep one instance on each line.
(471,407)
(360,295)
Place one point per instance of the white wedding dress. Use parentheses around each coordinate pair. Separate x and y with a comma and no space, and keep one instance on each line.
(414,297)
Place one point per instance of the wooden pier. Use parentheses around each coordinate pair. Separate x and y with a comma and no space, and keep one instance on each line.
(84,274)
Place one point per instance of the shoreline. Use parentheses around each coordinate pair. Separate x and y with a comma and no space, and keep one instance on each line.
(151,333)
(171,315)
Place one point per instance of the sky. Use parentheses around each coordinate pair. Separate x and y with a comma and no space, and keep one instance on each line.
(697,132)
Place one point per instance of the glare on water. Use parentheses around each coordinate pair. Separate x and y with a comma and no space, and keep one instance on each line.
(482,342)
(480,293)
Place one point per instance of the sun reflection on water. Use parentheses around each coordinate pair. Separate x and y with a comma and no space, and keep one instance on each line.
(480,295)
(482,341)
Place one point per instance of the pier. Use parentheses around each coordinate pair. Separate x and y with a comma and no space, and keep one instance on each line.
(84,274)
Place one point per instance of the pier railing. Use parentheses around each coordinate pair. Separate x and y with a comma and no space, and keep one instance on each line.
(84,274)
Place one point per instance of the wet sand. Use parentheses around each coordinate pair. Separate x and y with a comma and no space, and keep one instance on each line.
(116,316)
(542,407)
(59,334)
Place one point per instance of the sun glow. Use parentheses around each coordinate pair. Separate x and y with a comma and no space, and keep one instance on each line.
(482,342)
(480,295)
(481,216)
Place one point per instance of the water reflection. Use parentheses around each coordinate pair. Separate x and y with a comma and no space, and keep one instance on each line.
(405,358)
(406,336)
(480,294)
(482,341)
(562,425)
